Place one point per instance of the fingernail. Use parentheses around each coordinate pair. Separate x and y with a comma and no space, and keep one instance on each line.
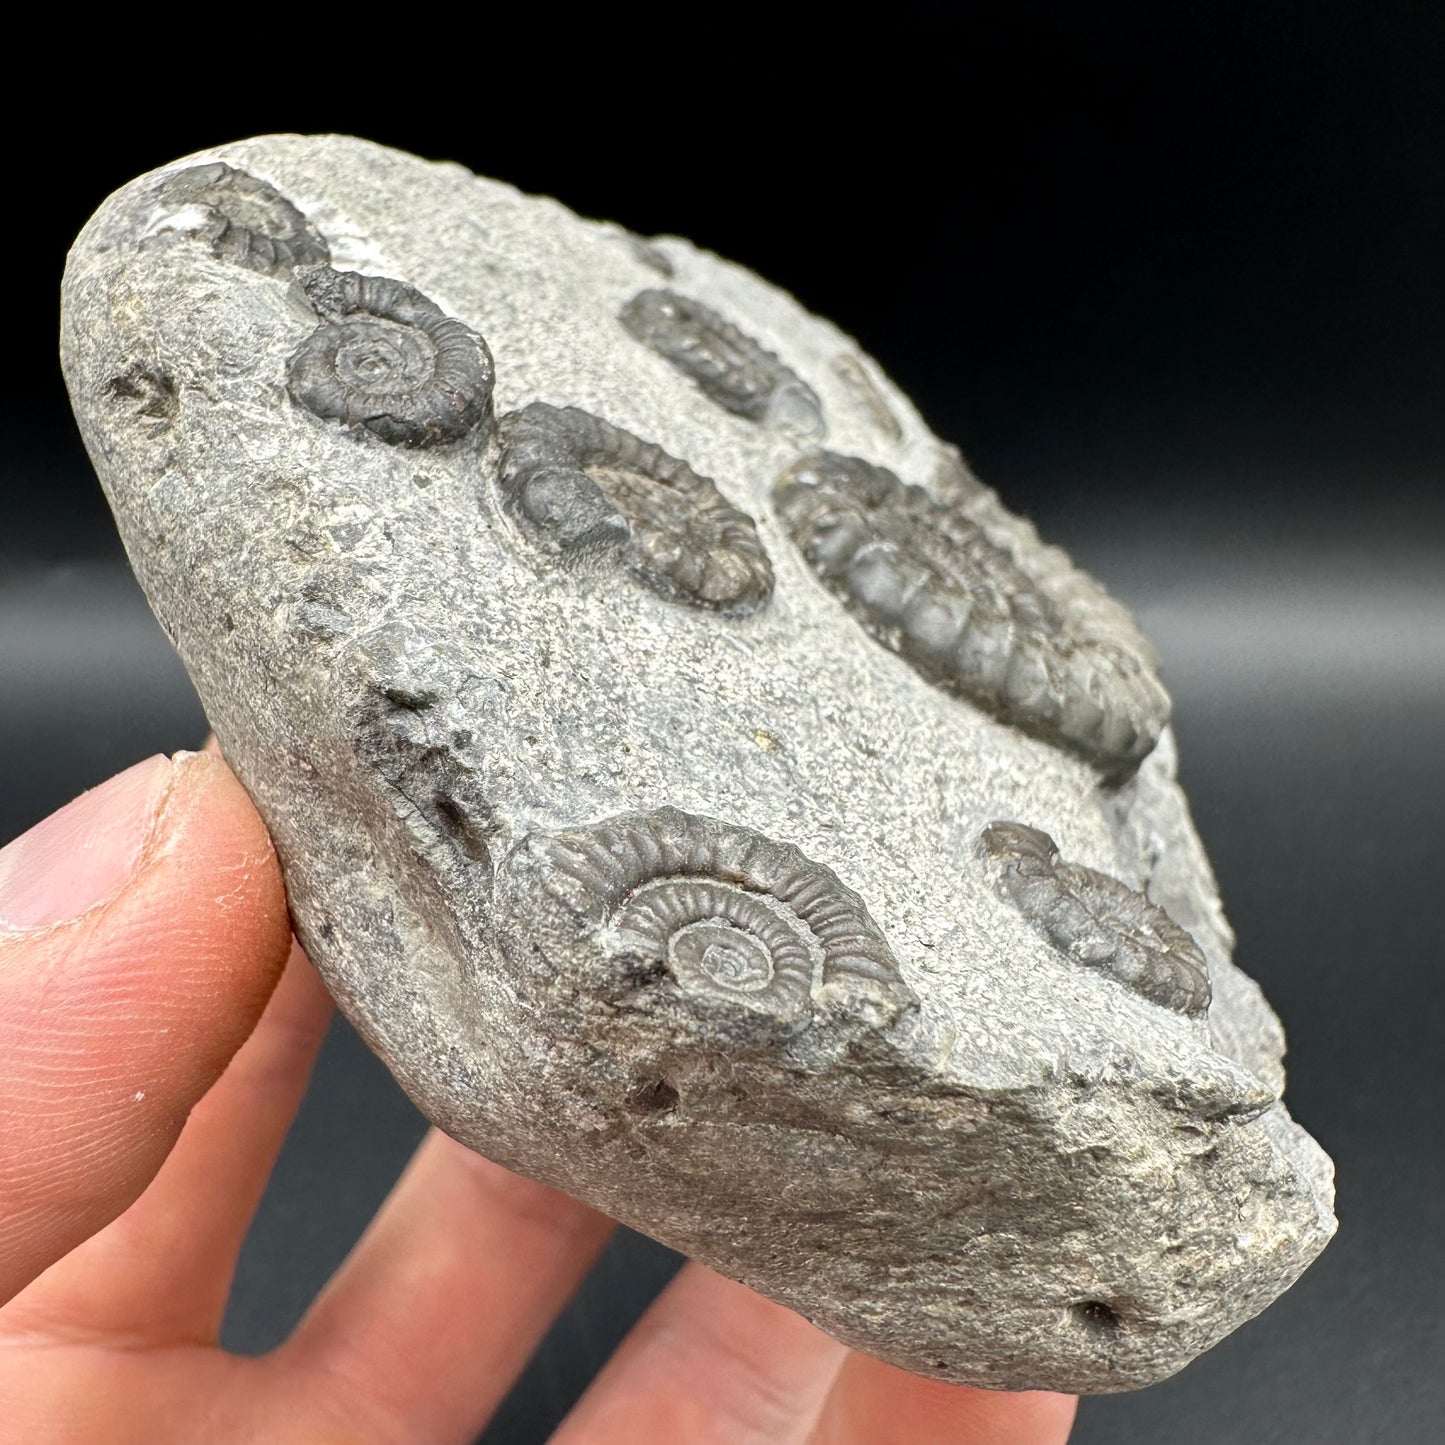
(82,856)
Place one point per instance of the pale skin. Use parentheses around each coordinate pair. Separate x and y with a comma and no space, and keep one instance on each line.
(153,1049)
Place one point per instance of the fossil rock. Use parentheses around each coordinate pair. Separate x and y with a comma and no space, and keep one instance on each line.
(677,795)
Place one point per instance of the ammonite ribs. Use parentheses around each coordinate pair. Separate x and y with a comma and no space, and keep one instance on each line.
(387,359)
(930,583)
(727,365)
(244,219)
(738,921)
(581,485)
(1098,920)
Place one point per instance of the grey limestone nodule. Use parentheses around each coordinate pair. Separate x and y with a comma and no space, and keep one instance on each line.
(691,780)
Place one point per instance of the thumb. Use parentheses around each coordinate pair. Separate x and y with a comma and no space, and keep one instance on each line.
(142,928)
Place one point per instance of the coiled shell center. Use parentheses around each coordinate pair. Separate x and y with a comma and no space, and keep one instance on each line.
(725,943)
(721,954)
(377,356)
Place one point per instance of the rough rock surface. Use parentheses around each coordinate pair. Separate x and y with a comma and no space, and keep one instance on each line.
(690,779)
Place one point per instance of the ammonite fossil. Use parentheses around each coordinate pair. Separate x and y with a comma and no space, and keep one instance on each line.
(864,390)
(580,485)
(1098,920)
(245,220)
(743,925)
(727,365)
(972,615)
(387,359)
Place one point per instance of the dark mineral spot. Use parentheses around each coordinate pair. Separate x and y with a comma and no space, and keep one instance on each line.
(652,1096)
(147,391)
(928,582)
(1097,920)
(727,365)
(1094,1315)
(401,734)
(467,832)
(581,486)
(244,219)
(408,698)
(389,361)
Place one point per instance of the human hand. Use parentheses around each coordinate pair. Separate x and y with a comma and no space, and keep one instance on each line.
(154,1043)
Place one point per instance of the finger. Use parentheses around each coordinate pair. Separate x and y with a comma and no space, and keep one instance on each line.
(710,1361)
(873,1403)
(440,1306)
(162,1271)
(142,929)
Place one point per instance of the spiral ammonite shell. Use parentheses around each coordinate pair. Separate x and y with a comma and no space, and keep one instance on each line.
(1098,920)
(580,484)
(738,921)
(1015,629)
(727,365)
(246,220)
(387,359)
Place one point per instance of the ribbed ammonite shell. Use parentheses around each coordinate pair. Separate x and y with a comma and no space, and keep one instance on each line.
(580,485)
(727,365)
(387,359)
(740,923)
(1017,630)
(1098,920)
(246,220)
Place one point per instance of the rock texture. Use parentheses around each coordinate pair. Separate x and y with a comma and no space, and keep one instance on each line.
(690,779)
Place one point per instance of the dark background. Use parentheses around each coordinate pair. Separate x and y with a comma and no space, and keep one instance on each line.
(1173,278)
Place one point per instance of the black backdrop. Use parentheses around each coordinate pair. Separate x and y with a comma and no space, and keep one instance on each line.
(1173,280)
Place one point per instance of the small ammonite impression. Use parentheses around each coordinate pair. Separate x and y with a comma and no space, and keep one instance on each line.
(580,485)
(727,365)
(244,219)
(745,927)
(1021,637)
(387,359)
(651,254)
(864,391)
(1098,920)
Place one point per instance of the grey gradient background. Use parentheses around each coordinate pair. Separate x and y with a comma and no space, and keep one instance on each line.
(1174,283)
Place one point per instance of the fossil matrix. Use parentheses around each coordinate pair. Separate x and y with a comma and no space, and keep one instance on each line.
(698,787)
